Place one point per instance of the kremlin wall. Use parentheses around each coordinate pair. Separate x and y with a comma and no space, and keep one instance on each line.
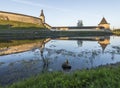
(20,18)
(41,21)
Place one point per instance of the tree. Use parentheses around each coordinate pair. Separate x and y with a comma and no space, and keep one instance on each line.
(80,23)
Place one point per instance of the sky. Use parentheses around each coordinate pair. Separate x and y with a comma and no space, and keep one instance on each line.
(67,12)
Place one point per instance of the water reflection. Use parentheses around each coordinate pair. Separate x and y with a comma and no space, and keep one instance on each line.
(50,54)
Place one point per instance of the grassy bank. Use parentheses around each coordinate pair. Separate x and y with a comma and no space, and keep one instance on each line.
(116,32)
(19,30)
(103,77)
(4,24)
(36,34)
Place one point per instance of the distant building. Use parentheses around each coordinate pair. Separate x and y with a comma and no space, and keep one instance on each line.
(42,17)
(101,26)
(104,24)
(41,21)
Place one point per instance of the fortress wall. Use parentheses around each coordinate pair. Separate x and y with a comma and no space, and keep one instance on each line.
(106,26)
(20,17)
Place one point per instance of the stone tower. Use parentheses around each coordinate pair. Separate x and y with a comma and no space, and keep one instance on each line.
(42,17)
(104,24)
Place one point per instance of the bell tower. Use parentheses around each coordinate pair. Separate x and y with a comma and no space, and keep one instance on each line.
(42,17)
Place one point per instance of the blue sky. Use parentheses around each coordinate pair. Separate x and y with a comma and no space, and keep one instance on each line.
(67,12)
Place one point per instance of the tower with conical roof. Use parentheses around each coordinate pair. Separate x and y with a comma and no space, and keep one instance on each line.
(104,24)
(42,17)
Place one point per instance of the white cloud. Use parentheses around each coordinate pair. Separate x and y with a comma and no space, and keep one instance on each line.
(28,3)
(40,5)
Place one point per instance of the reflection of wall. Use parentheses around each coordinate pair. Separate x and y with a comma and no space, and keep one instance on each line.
(24,47)
(20,48)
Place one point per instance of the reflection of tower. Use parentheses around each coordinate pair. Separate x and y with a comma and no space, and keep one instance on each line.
(104,43)
(43,46)
(45,60)
(113,55)
(91,58)
(79,42)
(42,49)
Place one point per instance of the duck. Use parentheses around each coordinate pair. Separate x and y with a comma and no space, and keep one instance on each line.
(66,65)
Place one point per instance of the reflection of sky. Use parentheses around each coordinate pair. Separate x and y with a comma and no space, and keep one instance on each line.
(86,50)
(71,45)
(115,40)
(18,57)
(70,49)
(60,44)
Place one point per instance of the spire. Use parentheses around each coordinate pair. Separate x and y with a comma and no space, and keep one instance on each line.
(42,14)
(42,17)
(103,21)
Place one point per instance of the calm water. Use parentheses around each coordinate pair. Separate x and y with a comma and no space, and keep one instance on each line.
(81,52)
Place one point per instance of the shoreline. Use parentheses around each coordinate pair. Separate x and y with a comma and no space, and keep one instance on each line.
(88,75)
(37,34)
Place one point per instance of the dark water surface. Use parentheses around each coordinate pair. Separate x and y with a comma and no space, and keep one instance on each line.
(81,52)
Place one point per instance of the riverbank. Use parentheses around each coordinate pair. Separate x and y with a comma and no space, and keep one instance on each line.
(13,30)
(5,24)
(101,77)
(37,34)
(116,32)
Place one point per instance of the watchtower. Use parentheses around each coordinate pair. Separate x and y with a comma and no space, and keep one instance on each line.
(42,17)
(104,24)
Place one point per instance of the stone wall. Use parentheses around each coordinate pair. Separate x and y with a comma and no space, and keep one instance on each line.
(106,26)
(19,17)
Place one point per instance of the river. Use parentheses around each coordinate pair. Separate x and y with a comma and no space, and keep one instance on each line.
(22,61)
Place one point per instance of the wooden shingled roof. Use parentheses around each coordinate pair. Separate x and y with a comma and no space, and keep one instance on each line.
(103,21)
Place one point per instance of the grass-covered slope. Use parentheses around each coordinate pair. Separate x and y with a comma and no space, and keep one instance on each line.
(116,31)
(104,77)
(4,24)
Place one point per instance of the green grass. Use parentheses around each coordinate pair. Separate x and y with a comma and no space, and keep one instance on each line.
(15,25)
(116,32)
(104,77)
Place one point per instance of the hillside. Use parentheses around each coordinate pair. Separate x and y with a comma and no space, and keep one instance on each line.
(4,24)
(116,31)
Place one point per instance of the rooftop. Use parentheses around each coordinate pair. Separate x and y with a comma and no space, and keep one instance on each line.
(103,21)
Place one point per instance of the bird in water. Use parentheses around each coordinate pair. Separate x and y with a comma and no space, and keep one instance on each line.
(66,65)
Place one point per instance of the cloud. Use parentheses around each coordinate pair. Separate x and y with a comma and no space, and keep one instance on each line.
(39,5)
(29,3)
